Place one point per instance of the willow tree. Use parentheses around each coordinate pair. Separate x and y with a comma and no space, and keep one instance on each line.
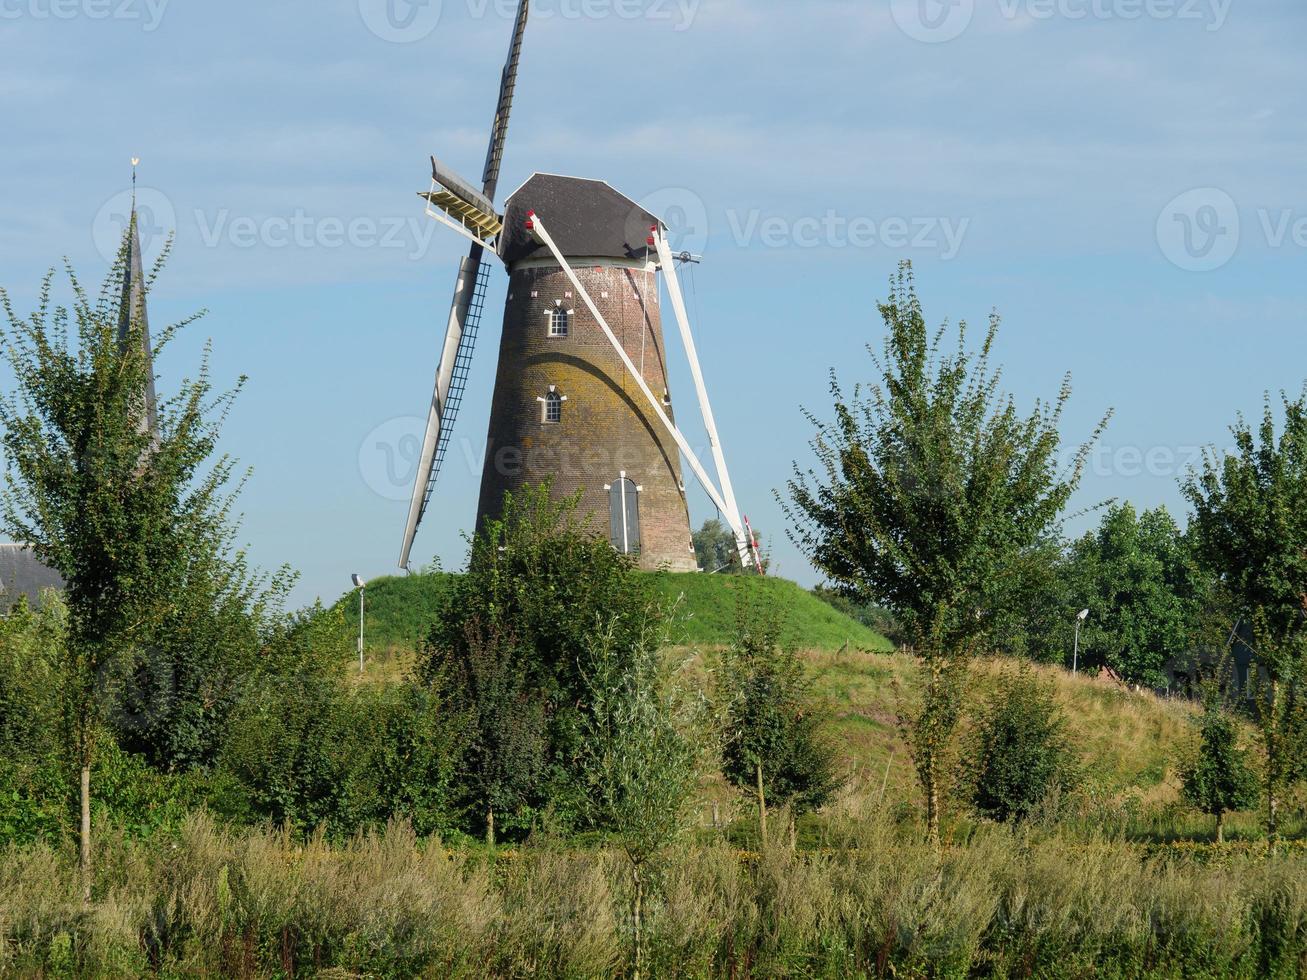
(1250,528)
(109,485)
(930,496)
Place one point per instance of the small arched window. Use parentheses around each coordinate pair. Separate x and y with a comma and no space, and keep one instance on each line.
(560,322)
(553,408)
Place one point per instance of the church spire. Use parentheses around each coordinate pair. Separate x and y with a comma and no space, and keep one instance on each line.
(132,311)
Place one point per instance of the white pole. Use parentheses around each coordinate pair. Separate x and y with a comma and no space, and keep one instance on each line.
(361,630)
(1075,656)
(668,264)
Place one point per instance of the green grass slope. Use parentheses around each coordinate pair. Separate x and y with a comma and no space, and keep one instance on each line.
(703,611)
(398,611)
(401,609)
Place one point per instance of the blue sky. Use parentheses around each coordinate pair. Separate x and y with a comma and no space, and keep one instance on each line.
(1122,179)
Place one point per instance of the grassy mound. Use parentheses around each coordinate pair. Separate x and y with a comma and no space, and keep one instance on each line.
(1129,741)
(401,609)
(704,612)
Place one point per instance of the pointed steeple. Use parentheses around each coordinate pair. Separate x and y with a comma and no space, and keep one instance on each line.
(133,308)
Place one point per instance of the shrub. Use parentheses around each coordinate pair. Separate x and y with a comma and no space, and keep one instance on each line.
(1019,752)
(549,588)
(772,746)
(311,754)
(1219,779)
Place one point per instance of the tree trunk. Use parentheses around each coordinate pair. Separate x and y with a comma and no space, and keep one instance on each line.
(86,831)
(1273,763)
(637,883)
(932,802)
(1220,828)
(490,827)
(762,809)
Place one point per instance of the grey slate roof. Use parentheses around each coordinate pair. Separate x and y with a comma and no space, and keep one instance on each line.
(22,575)
(587,219)
(133,307)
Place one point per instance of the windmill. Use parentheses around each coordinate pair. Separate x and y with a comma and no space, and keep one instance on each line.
(581,393)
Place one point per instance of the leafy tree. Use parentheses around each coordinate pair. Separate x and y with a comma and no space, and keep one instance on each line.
(504,755)
(1037,622)
(543,581)
(224,633)
(1137,577)
(930,490)
(1219,778)
(772,746)
(113,503)
(716,550)
(307,752)
(1250,529)
(642,758)
(1019,752)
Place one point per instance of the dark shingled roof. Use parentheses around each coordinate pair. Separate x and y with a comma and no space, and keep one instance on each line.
(22,575)
(133,310)
(586,218)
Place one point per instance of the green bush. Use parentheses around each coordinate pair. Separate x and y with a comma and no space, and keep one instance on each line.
(547,587)
(1019,751)
(311,754)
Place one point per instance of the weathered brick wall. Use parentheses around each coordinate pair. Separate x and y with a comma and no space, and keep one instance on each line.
(607,425)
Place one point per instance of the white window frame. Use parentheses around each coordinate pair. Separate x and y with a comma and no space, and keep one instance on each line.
(552,400)
(553,318)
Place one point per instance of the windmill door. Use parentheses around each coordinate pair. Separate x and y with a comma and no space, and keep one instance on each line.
(624,511)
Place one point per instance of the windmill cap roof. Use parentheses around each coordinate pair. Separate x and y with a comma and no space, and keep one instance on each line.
(586,218)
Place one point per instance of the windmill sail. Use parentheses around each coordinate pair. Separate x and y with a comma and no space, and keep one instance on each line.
(465,311)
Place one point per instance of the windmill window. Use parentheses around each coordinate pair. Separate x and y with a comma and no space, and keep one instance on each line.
(552,407)
(560,321)
(624,515)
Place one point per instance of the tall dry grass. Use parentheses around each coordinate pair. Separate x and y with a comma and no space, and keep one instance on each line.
(873,902)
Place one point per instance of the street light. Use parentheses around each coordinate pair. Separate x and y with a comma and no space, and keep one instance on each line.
(1075,657)
(360,585)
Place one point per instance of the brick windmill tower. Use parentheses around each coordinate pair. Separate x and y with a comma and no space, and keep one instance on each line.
(582,395)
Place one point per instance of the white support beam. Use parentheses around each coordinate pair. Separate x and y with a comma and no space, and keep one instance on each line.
(542,234)
(705,406)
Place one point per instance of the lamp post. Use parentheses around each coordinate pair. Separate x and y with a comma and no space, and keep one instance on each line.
(361,586)
(1075,657)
